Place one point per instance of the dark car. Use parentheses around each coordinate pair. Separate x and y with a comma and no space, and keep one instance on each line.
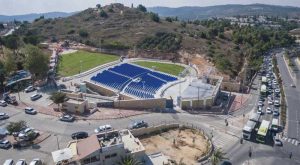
(3,116)
(226,163)
(79,135)
(139,124)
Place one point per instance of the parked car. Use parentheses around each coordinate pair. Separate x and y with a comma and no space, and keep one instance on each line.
(102,128)
(8,162)
(269,110)
(275,113)
(226,163)
(3,103)
(277,141)
(5,144)
(35,97)
(26,132)
(139,124)
(67,118)
(3,116)
(260,103)
(270,102)
(277,103)
(36,161)
(21,162)
(293,85)
(31,111)
(80,135)
(277,90)
(30,89)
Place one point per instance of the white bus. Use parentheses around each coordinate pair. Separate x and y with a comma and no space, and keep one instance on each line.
(275,125)
(263,131)
(248,129)
(254,117)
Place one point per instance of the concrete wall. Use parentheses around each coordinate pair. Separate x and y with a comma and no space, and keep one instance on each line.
(102,90)
(231,86)
(196,104)
(141,104)
(149,130)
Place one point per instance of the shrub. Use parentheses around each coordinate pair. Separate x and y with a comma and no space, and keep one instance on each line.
(154,17)
(83,33)
(142,8)
(103,14)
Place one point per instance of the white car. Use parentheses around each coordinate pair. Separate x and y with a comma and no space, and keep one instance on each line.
(277,90)
(25,132)
(21,162)
(35,97)
(270,102)
(269,110)
(103,128)
(260,103)
(8,162)
(36,161)
(3,103)
(276,103)
(29,89)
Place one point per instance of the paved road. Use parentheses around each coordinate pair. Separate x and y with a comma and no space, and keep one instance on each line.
(292,97)
(223,137)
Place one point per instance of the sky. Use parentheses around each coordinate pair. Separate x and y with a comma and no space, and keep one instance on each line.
(15,7)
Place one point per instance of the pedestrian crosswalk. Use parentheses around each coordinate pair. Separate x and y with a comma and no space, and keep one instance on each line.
(223,141)
(290,140)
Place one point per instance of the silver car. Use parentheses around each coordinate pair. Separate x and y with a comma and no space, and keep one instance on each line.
(3,116)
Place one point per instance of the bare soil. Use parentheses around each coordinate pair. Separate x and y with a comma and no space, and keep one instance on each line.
(184,146)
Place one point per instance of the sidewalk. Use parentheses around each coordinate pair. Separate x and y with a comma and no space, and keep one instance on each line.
(239,102)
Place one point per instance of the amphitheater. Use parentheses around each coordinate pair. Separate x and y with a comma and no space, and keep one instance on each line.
(124,84)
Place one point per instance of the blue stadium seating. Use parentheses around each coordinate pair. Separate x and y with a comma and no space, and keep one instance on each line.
(110,79)
(142,83)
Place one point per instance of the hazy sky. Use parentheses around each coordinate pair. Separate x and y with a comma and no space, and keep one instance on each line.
(13,7)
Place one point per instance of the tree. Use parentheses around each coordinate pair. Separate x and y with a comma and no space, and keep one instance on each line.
(2,74)
(36,62)
(103,14)
(98,6)
(154,17)
(142,8)
(16,126)
(31,39)
(58,98)
(217,156)
(129,160)
(10,64)
(83,33)
(11,42)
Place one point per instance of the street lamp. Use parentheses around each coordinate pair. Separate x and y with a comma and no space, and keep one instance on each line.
(57,141)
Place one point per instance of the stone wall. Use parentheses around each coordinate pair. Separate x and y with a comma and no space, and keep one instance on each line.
(149,130)
(102,90)
(157,104)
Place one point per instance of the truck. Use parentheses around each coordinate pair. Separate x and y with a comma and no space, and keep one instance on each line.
(248,129)
(10,99)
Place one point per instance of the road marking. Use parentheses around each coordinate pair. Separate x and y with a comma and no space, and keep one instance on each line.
(293,141)
(289,140)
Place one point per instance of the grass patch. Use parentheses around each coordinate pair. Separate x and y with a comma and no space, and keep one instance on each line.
(172,69)
(69,64)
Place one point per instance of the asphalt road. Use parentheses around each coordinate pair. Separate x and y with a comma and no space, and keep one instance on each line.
(292,97)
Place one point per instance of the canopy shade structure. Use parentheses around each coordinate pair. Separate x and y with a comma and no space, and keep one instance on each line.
(62,155)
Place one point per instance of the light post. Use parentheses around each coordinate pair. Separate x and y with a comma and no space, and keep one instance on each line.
(57,141)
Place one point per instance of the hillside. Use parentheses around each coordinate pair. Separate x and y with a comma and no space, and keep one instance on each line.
(33,16)
(227,10)
(138,33)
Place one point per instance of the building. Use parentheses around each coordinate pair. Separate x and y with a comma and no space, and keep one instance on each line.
(103,149)
(75,105)
(200,94)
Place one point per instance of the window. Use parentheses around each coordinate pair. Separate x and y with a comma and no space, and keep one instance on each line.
(110,156)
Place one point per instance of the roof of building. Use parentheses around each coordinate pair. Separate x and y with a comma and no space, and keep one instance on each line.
(87,146)
(62,155)
(198,88)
